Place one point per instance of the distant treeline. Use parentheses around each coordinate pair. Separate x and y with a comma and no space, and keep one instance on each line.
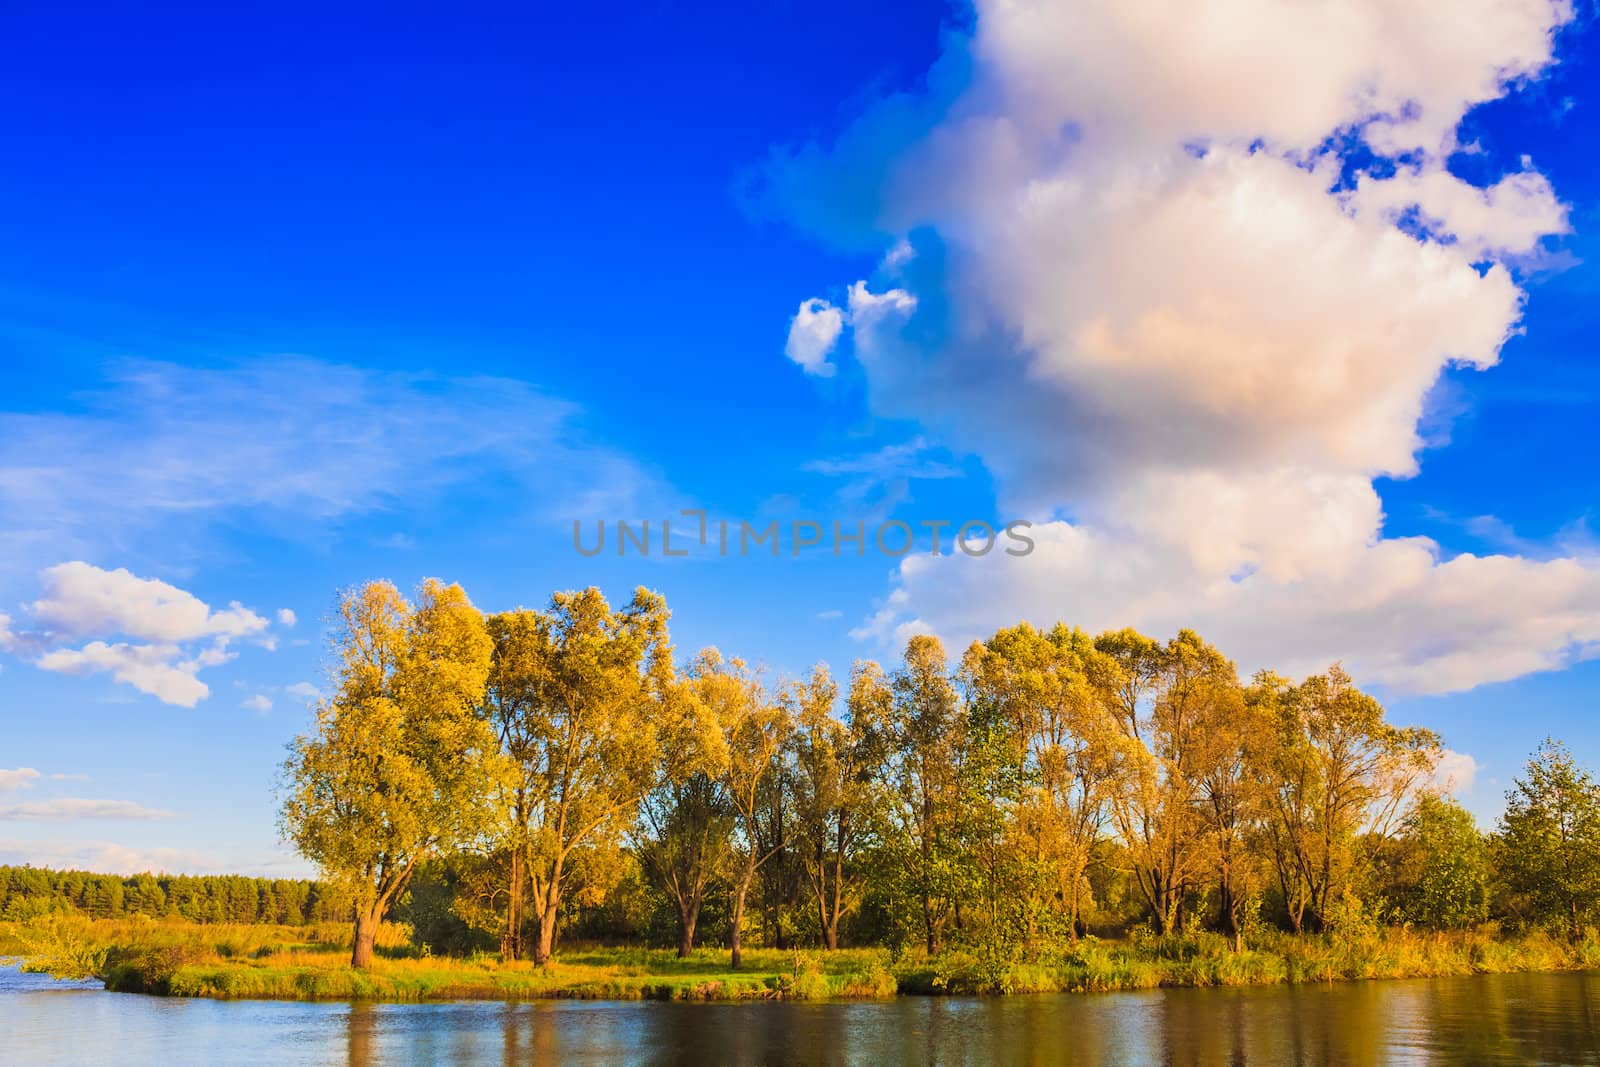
(27,892)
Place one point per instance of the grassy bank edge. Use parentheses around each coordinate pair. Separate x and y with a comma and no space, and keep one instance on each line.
(280,963)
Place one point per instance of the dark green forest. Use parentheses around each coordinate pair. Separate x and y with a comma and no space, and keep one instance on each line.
(27,892)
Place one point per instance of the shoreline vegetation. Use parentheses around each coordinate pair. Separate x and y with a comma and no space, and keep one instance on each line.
(227,961)
(541,804)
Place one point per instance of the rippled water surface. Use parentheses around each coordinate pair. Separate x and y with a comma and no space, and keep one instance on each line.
(1511,1019)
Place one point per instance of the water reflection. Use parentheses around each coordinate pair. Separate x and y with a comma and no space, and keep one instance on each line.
(1492,1019)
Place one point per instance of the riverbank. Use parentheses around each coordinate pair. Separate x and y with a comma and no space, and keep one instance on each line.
(311,963)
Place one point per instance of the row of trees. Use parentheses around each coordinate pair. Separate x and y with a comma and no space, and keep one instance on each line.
(544,764)
(25,891)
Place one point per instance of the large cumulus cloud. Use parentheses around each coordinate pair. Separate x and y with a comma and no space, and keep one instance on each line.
(1183,275)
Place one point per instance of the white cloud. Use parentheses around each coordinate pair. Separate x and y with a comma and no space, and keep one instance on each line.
(304,691)
(81,599)
(1128,271)
(813,332)
(1290,74)
(258,703)
(65,809)
(158,670)
(286,617)
(17,778)
(1455,772)
(1506,219)
(169,634)
(1397,614)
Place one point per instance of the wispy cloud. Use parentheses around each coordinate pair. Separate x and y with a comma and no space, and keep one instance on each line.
(67,809)
(295,443)
(881,479)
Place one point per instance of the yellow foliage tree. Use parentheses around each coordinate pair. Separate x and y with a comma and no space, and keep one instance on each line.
(397,765)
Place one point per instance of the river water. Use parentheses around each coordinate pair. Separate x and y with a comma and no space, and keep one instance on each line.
(1511,1019)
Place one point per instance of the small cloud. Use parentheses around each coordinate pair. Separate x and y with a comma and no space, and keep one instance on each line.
(895,260)
(66,809)
(258,703)
(813,333)
(835,614)
(81,599)
(1455,772)
(909,459)
(287,617)
(18,778)
(304,690)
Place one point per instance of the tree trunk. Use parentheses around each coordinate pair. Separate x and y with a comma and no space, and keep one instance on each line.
(366,934)
(547,930)
(830,936)
(688,917)
(511,938)
(736,925)
(1229,904)
(685,938)
(1075,900)
(822,909)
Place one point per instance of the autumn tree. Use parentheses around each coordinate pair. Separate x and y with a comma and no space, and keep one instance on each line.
(398,765)
(754,731)
(1341,779)
(684,845)
(578,702)
(1230,744)
(1058,729)
(1160,695)
(924,737)
(521,657)
(835,767)
(1548,847)
(684,839)
(782,879)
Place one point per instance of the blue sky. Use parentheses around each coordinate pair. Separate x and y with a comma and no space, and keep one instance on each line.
(294,300)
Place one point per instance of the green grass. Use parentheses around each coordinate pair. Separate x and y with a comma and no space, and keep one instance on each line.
(311,963)
(1208,960)
(300,963)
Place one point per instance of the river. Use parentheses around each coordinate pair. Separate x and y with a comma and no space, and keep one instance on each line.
(1511,1019)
